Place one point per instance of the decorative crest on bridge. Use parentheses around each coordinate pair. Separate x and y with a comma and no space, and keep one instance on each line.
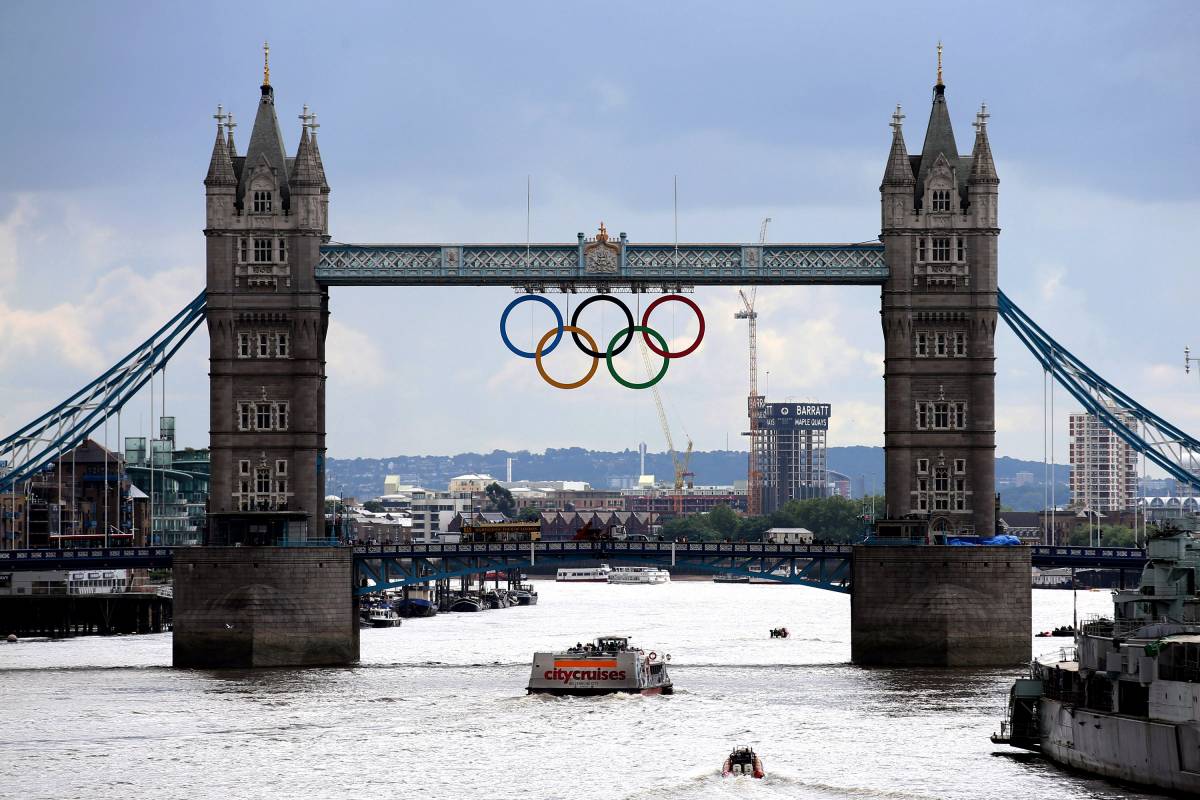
(600,256)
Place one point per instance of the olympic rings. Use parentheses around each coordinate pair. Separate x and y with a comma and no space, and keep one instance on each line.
(628,323)
(646,321)
(662,373)
(557,316)
(539,353)
(545,346)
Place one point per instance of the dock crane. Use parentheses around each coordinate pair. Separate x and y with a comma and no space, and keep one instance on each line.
(754,401)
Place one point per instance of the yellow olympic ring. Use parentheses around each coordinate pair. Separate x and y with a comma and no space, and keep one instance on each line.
(537,357)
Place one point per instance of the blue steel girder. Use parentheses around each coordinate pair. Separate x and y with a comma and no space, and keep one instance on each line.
(1160,441)
(617,263)
(36,445)
(829,572)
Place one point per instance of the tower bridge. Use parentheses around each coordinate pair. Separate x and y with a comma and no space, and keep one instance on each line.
(270,264)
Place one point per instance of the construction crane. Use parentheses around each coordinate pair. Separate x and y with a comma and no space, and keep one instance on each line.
(681,464)
(754,401)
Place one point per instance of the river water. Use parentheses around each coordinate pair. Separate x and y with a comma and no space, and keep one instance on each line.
(437,709)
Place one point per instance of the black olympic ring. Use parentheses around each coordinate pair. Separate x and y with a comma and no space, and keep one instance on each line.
(628,319)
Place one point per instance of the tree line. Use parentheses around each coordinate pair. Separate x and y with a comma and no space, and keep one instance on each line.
(835,520)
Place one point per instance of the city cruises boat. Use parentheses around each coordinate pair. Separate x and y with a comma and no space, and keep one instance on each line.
(466,604)
(730,577)
(606,666)
(381,616)
(1124,702)
(584,574)
(638,575)
(742,761)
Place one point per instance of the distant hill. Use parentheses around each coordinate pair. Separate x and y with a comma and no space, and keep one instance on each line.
(363,477)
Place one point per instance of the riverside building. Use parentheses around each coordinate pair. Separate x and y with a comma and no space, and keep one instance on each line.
(175,480)
(1103,467)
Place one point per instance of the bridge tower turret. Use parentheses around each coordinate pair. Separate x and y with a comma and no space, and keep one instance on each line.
(267,216)
(939,230)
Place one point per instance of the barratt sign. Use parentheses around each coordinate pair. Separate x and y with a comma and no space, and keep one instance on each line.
(795,415)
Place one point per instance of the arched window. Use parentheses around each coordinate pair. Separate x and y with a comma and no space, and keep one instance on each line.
(262,201)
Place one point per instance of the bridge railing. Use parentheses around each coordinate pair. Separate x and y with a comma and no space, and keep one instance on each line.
(614,548)
(11,556)
(1134,554)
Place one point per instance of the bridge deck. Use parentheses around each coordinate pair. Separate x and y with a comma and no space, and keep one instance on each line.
(539,267)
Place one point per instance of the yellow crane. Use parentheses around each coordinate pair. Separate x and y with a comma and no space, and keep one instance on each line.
(680,464)
(754,401)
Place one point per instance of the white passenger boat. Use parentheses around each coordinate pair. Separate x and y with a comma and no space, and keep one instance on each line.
(381,616)
(584,574)
(760,576)
(638,575)
(606,666)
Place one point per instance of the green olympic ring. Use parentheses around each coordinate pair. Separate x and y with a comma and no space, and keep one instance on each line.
(662,373)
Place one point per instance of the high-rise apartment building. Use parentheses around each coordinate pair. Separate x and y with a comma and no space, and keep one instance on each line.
(1103,467)
(791,452)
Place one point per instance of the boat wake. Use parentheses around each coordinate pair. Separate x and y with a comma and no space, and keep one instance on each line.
(776,783)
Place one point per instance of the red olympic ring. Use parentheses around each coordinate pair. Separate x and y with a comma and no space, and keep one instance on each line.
(699,318)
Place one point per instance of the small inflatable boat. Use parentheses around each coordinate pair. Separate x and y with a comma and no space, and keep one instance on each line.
(742,761)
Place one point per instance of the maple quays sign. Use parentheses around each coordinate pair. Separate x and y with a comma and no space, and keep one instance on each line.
(795,415)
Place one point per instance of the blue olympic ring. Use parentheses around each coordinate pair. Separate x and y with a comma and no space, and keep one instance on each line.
(504,321)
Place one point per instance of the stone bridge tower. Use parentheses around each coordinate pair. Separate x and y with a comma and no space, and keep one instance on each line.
(247,599)
(939,323)
(940,606)
(267,215)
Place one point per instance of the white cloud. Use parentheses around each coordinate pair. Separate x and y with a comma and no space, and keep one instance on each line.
(610,95)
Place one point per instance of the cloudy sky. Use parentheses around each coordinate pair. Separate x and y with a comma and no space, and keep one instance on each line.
(434,114)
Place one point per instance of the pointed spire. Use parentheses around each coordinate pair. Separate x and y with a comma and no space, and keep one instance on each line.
(983,168)
(220,167)
(266,140)
(304,168)
(898,171)
(229,126)
(313,125)
(939,134)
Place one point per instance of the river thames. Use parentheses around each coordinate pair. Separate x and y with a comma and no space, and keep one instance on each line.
(437,708)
